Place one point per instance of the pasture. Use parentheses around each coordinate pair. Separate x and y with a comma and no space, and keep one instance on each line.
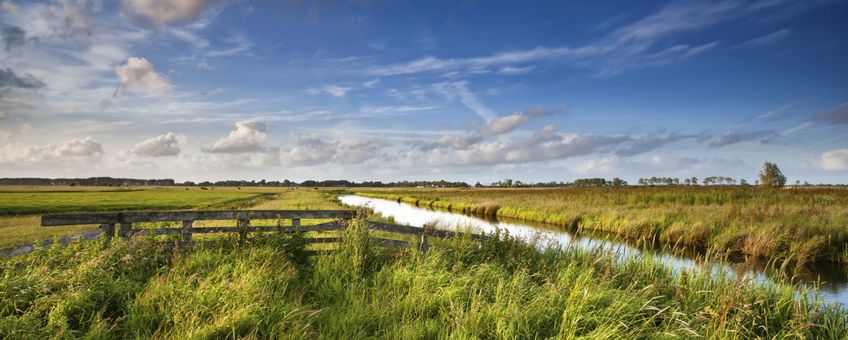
(267,288)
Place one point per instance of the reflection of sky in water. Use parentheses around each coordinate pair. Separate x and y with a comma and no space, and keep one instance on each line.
(418,217)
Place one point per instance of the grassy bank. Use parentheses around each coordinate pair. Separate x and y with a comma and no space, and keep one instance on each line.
(804,225)
(500,288)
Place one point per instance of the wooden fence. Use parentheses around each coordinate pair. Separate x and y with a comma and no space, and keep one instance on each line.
(125,223)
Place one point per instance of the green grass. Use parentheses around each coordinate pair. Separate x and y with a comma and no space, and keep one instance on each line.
(18,205)
(268,288)
(801,225)
(459,289)
(39,202)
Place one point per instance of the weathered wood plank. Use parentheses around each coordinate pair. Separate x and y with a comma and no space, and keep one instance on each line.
(327,226)
(168,216)
(405,229)
(108,230)
(322,239)
(389,243)
(187,231)
(124,230)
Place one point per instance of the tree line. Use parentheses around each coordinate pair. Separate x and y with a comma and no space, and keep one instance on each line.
(769,176)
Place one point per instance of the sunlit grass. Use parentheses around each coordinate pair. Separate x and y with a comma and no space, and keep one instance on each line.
(809,225)
(462,289)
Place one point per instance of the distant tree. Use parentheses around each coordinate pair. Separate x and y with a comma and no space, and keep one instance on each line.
(743,182)
(507,183)
(770,176)
(694,180)
(797,182)
(676,181)
(618,182)
(642,181)
(478,185)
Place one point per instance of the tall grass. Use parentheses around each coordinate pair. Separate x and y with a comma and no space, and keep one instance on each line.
(497,288)
(809,225)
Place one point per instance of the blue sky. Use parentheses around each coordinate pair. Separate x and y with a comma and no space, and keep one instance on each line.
(373,90)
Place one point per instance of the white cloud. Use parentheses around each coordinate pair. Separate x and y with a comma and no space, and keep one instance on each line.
(139,73)
(337,91)
(600,166)
(20,155)
(516,70)
(163,145)
(544,145)
(161,12)
(249,136)
(309,150)
(509,122)
(834,160)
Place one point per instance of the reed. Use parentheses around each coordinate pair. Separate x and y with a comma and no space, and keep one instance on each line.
(499,288)
(807,225)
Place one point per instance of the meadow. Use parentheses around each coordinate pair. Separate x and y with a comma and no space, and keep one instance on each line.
(20,206)
(803,225)
(495,288)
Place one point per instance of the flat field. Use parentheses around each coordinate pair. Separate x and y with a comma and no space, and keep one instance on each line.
(20,207)
(803,225)
(497,288)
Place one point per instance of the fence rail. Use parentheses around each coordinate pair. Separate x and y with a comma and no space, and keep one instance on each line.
(123,223)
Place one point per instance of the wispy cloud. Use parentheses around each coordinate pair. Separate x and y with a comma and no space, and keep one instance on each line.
(731,138)
(640,44)
(766,40)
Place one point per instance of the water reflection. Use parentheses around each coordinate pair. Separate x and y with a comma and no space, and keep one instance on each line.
(832,279)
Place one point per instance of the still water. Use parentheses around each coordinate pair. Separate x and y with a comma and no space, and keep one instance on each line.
(833,281)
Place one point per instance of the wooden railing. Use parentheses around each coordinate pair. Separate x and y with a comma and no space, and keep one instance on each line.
(124,223)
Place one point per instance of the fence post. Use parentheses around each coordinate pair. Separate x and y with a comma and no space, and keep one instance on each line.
(424,245)
(243,223)
(295,222)
(108,230)
(187,232)
(125,230)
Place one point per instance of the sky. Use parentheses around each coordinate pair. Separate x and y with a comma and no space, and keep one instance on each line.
(418,90)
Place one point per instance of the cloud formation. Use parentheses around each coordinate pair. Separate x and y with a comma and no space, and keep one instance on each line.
(509,122)
(730,138)
(649,143)
(159,146)
(162,12)
(8,78)
(77,148)
(249,136)
(139,73)
(834,160)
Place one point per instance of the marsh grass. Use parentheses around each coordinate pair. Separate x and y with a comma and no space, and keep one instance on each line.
(497,288)
(807,226)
